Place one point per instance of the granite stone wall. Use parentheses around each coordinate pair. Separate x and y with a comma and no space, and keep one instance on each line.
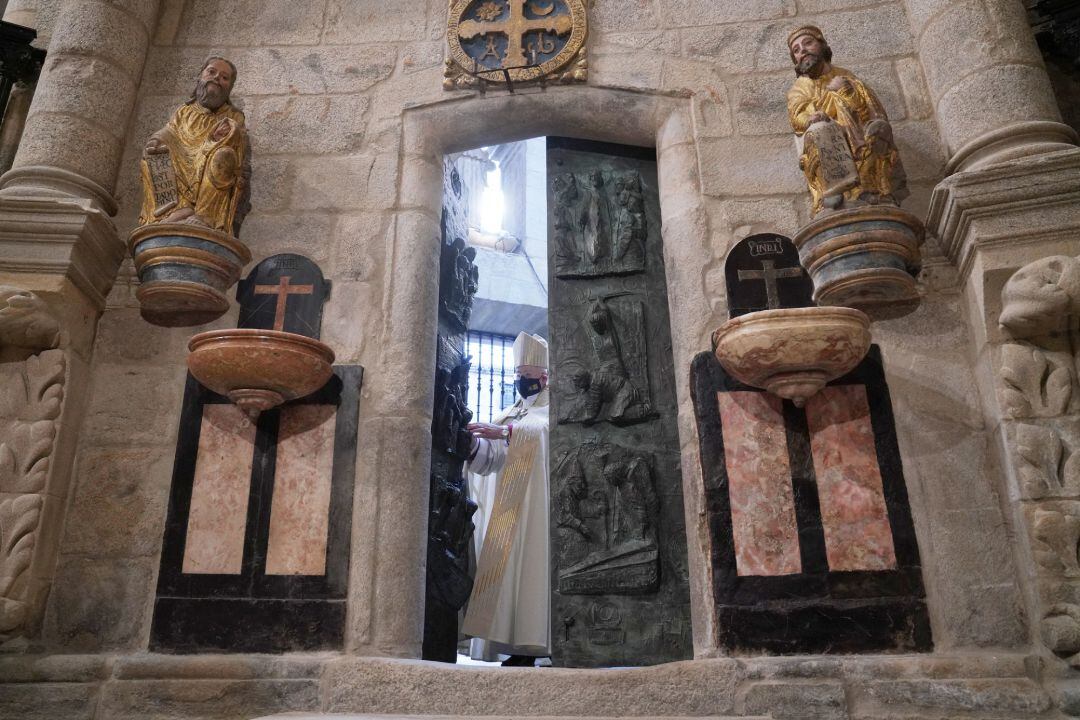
(349,122)
(325,86)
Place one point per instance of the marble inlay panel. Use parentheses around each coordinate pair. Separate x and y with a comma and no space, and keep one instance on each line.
(853,513)
(219,493)
(300,510)
(759,484)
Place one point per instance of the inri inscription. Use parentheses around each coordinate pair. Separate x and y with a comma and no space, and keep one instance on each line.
(763,273)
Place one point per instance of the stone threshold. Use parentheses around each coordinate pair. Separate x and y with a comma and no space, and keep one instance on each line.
(984,686)
(336,716)
(227,666)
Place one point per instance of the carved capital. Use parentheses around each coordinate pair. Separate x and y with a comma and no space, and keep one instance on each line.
(72,239)
(43,181)
(1007,214)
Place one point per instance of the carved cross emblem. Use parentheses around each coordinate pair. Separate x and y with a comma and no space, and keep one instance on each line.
(283,290)
(516,27)
(514,41)
(770,274)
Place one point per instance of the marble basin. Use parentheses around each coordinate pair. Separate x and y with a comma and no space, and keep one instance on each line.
(259,369)
(793,352)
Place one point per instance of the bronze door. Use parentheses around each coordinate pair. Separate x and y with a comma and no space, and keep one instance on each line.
(619,571)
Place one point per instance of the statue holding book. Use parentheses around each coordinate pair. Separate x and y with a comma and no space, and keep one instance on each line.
(196,168)
(196,175)
(861,249)
(848,154)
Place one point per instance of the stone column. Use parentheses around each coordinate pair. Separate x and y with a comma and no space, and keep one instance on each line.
(1010,198)
(14,122)
(74,134)
(59,253)
(992,221)
(990,90)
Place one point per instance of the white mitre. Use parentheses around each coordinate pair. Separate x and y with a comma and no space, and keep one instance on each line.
(530,350)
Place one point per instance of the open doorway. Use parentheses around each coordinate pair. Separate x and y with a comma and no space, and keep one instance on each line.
(557,239)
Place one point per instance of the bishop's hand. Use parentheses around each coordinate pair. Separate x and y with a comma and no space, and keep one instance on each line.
(489,431)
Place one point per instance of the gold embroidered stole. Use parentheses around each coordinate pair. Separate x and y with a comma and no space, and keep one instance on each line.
(503,526)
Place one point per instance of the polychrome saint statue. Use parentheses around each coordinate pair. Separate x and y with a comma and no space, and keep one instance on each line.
(847,150)
(196,169)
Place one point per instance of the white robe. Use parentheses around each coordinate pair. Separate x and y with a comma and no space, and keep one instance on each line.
(521,623)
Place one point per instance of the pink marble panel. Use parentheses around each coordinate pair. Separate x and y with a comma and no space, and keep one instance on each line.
(219,495)
(300,510)
(759,484)
(856,522)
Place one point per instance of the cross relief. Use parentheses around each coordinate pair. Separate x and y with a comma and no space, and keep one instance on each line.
(769,273)
(283,290)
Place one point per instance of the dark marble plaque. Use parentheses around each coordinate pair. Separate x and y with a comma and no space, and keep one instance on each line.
(283,292)
(256,609)
(763,273)
(850,589)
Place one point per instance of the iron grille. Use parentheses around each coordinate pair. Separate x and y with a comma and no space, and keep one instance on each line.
(491,379)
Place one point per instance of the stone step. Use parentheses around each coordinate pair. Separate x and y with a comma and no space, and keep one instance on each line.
(333,716)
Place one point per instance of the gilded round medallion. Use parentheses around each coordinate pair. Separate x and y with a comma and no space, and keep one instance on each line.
(529,39)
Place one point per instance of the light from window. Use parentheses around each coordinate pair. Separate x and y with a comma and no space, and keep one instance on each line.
(491,203)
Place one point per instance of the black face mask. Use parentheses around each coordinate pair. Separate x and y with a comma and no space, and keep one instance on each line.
(528,387)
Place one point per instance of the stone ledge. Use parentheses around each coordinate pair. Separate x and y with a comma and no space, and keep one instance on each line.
(68,238)
(1024,698)
(76,668)
(220,667)
(1048,184)
(54,668)
(164,687)
(338,716)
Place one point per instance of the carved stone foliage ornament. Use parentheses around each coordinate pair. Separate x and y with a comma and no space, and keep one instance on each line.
(516,41)
(1048,462)
(32,376)
(1040,307)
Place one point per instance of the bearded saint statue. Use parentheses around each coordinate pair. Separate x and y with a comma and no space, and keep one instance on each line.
(865,167)
(207,146)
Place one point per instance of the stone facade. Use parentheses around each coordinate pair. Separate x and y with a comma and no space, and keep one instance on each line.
(350,124)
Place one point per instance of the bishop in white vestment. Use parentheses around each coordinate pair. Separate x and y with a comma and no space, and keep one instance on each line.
(510,603)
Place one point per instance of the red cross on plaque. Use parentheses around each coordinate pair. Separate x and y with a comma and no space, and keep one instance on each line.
(283,290)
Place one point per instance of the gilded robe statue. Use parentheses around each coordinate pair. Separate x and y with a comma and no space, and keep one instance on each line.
(865,167)
(206,179)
